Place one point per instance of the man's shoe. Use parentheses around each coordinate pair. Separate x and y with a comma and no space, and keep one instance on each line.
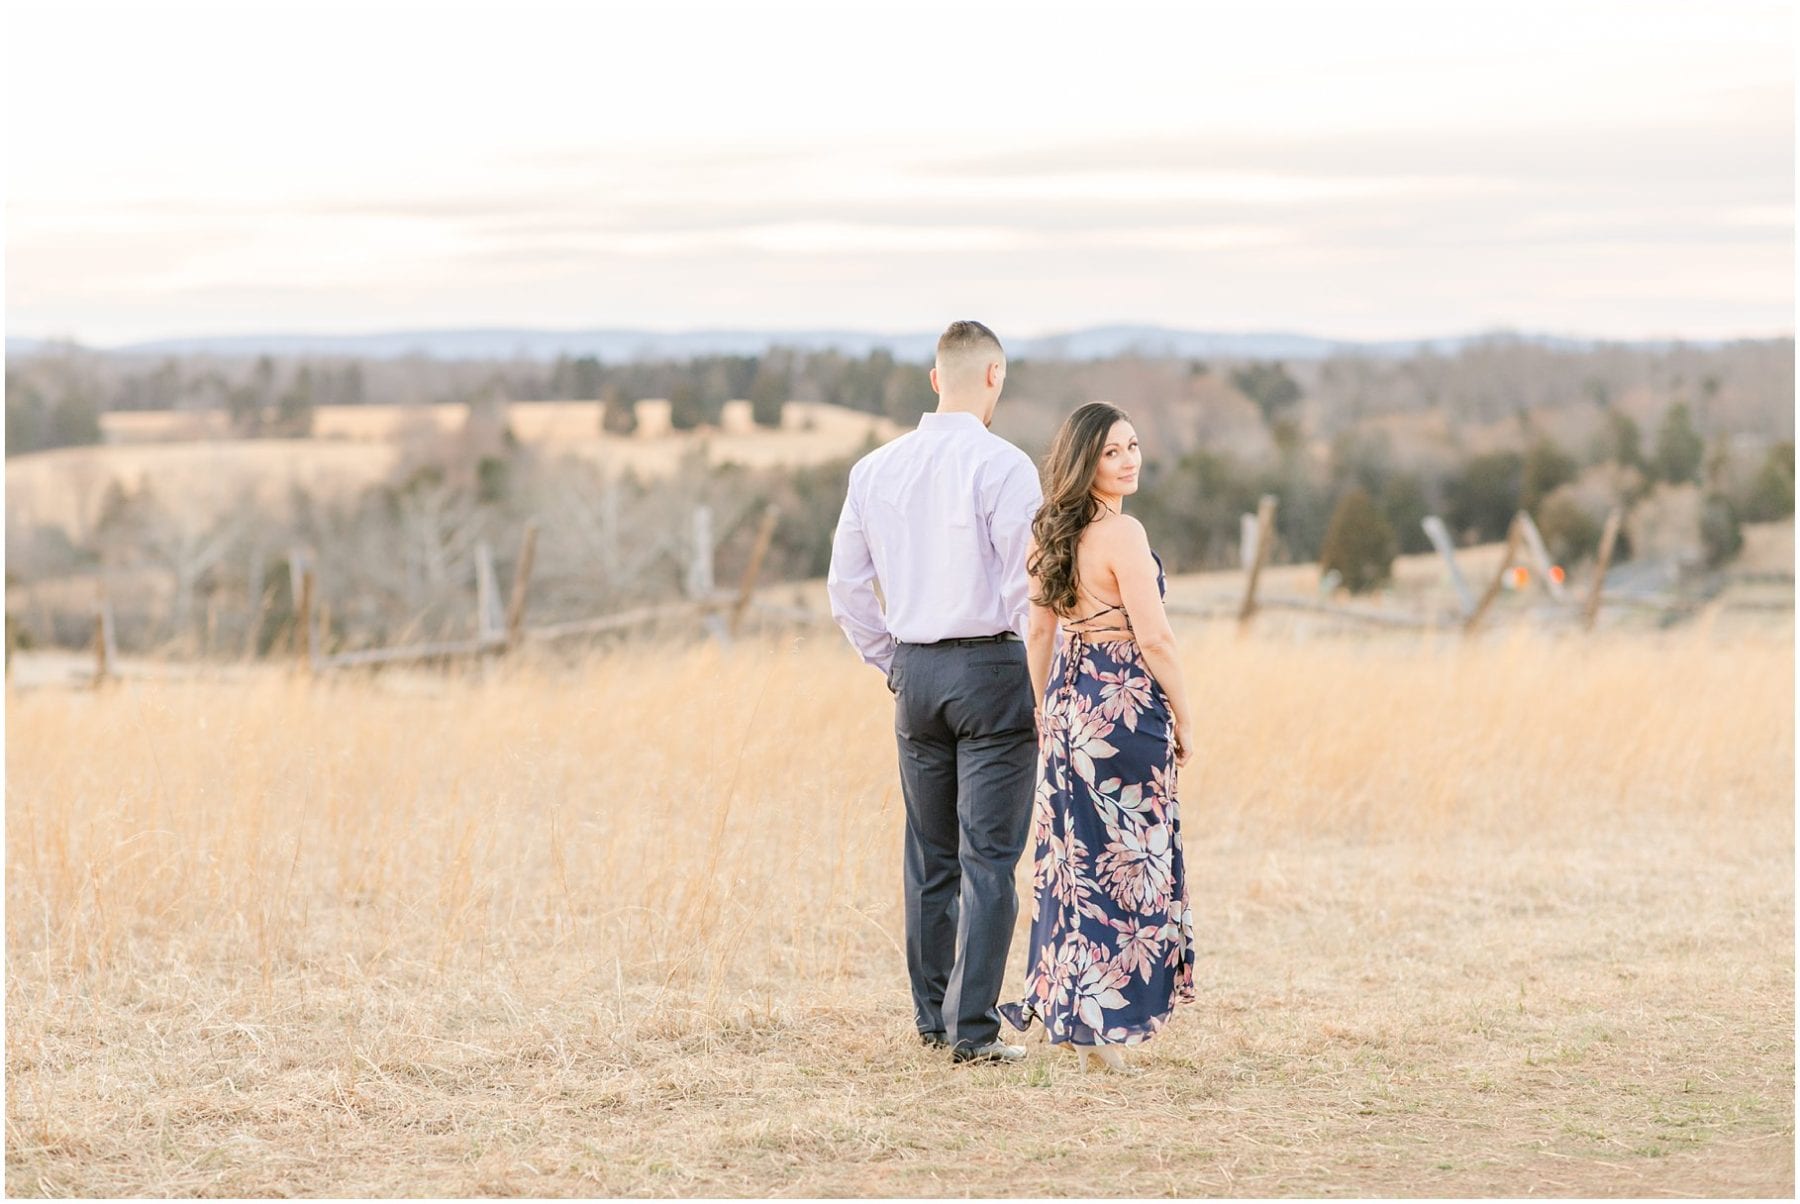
(934,1040)
(993,1051)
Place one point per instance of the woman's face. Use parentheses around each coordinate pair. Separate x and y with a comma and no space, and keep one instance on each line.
(1120,460)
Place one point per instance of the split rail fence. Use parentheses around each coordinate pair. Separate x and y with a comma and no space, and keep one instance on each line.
(502,629)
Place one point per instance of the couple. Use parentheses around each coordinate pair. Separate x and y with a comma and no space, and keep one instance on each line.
(1004,729)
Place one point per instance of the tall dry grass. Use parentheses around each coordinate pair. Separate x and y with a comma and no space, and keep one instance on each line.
(633,925)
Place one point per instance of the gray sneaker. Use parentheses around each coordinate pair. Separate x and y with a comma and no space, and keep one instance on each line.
(994,1051)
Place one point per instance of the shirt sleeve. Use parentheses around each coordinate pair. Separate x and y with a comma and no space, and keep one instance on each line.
(1016,503)
(851,587)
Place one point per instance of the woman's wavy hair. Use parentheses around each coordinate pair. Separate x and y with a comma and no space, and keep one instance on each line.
(1069,502)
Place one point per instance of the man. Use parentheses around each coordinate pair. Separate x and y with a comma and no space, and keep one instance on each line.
(941,517)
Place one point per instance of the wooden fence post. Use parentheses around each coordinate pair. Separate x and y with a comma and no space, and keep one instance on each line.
(1513,535)
(253,583)
(1540,556)
(1265,535)
(253,637)
(100,665)
(700,568)
(609,531)
(489,622)
(296,568)
(303,626)
(765,534)
(106,646)
(515,604)
(1439,534)
(1608,537)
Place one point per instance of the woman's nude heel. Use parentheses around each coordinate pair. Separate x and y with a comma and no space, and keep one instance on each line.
(1108,1059)
(1078,1051)
(1111,1059)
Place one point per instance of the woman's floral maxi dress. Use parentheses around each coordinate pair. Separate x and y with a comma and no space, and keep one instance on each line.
(1112,943)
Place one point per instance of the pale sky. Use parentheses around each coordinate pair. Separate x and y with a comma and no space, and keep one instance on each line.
(1620,170)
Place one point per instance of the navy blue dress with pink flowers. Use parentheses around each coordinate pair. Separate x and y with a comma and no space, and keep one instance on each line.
(1112,940)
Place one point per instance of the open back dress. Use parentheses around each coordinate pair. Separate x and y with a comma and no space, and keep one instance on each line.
(1112,943)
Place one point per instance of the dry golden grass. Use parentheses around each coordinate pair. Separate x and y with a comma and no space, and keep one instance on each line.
(531,422)
(197,471)
(1506,917)
(199,481)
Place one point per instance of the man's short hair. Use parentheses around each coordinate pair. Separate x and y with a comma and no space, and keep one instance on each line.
(968,346)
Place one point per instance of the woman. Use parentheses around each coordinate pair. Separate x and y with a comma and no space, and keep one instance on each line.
(1112,947)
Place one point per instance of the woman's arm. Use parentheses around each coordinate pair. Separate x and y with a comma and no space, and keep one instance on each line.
(1127,551)
(1040,641)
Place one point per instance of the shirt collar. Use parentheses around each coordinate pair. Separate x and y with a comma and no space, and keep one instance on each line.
(955,420)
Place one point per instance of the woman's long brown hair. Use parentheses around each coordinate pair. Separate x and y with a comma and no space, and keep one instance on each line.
(1069,502)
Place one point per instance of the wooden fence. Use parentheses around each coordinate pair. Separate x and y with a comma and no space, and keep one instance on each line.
(499,631)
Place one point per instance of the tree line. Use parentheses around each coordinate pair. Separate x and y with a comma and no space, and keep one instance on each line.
(1358,451)
(54,396)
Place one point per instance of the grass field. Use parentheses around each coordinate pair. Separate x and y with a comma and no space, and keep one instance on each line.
(1509,916)
(199,473)
(537,422)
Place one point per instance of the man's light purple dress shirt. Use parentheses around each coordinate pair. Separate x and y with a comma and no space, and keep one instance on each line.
(941,517)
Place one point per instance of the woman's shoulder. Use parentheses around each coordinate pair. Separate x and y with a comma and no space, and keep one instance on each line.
(1118,532)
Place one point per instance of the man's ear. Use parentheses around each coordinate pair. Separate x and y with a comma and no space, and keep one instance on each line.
(994,373)
(934,382)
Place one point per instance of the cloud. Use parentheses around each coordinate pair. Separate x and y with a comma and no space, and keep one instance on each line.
(1595,223)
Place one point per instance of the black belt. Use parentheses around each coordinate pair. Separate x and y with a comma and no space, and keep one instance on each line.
(972,640)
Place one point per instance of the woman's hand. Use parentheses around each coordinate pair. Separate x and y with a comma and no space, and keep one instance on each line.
(1184,743)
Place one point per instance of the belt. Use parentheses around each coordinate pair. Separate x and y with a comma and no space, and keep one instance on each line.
(972,640)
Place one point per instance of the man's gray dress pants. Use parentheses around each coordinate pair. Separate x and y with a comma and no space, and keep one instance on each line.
(968,752)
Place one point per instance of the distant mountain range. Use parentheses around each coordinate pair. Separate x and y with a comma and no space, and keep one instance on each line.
(618,346)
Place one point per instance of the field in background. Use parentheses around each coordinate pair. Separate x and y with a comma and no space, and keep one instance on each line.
(1509,916)
(531,421)
(196,470)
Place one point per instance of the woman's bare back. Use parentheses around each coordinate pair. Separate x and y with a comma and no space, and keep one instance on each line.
(1097,587)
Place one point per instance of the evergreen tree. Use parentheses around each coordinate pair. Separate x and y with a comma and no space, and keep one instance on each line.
(768,392)
(294,412)
(1621,443)
(740,374)
(350,386)
(1771,494)
(262,381)
(715,388)
(1269,386)
(617,416)
(1679,448)
(1359,544)
(1570,533)
(1546,467)
(1720,531)
(1404,504)
(1484,497)
(687,410)
(1192,509)
(74,420)
(25,416)
(242,409)
(585,379)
